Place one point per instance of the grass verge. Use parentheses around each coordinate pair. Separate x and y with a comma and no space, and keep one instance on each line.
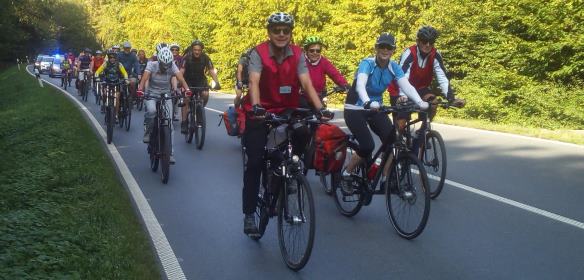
(63,212)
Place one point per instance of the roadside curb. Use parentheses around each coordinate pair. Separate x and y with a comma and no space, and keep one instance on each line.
(166,257)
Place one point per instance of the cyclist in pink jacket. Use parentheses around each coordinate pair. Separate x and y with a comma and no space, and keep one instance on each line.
(319,67)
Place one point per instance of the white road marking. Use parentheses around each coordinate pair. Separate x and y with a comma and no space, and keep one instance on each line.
(166,255)
(510,202)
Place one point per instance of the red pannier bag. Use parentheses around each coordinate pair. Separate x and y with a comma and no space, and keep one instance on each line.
(330,148)
(230,117)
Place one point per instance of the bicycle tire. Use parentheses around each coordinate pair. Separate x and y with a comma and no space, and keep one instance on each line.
(262,214)
(84,90)
(401,195)
(200,126)
(109,120)
(190,126)
(140,103)
(153,148)
(434,161)
(165,150)
(128,118)
(348,206)
(96,94)
(301,199)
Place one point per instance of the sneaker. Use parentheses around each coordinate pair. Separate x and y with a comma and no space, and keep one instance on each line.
(183,127)
(249,225)
(172,160)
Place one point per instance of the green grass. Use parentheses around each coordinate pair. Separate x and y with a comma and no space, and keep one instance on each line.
(63,212)
(563,135)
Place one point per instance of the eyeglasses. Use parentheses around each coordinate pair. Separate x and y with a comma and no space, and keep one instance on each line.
(425,42)
(314,50)
(386,47)
(276,31)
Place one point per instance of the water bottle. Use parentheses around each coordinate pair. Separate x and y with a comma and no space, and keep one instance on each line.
(373,169)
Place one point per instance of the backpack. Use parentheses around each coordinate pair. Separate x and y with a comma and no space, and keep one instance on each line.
(330,148)
(230,118)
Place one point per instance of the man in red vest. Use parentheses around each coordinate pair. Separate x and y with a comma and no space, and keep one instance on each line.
(420,63)
(277,72)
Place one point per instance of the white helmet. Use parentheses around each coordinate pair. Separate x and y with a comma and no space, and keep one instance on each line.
(159,46)
(280,18)
(165,57)
(174,45)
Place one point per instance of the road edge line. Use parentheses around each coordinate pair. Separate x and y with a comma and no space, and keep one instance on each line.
(166,256)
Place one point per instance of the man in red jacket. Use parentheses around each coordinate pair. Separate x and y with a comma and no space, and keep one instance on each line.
(277,70)
(420,63)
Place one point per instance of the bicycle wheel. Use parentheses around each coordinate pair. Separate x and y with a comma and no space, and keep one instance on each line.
(200,126)
(165,150)
(96,94)
(407,196)
(84,90)
(153,148)
(109,121)
(262,214)
(128,118)
(190,126)
(433,156)
(296,222)
(140,103)
(348,205)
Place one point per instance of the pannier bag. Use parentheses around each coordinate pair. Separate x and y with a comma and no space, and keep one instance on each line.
(330,148)
(229,117)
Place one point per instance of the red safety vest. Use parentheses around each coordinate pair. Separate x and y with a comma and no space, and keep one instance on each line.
(419,77)
(279,83)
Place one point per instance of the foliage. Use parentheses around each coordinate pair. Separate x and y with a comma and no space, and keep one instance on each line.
(528,49)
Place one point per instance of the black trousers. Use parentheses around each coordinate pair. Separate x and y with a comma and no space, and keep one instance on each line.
(357,121)
(255,139)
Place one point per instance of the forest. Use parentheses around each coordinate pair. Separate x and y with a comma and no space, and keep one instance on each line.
(515,62)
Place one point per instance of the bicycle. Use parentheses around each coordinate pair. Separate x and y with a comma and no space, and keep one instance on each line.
(430,148)
(83,83)
(160,144)
(277,196)
(111,89)
(196,120)
(65,78)
(403,181)
(309,156)
(125,112)
(96,91)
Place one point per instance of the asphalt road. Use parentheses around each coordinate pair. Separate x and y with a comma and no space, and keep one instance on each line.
(468,236)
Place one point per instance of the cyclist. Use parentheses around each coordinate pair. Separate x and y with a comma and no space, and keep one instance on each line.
(319,67)
(371,80)
(158,74)
(71,59)
(130,62)
(177,58)
(241,76)
(142,61)
(277,70)
(83,64)
(96,62)
(113,71)
(195,65)
(65,70)
(419,63)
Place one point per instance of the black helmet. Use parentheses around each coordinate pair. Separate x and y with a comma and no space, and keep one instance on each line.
(385,39)
(428,34)
(112,53)
(197,42)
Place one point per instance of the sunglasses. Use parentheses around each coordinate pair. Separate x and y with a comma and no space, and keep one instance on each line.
(284,31)
(424,42)
(314,50)
(386,47)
